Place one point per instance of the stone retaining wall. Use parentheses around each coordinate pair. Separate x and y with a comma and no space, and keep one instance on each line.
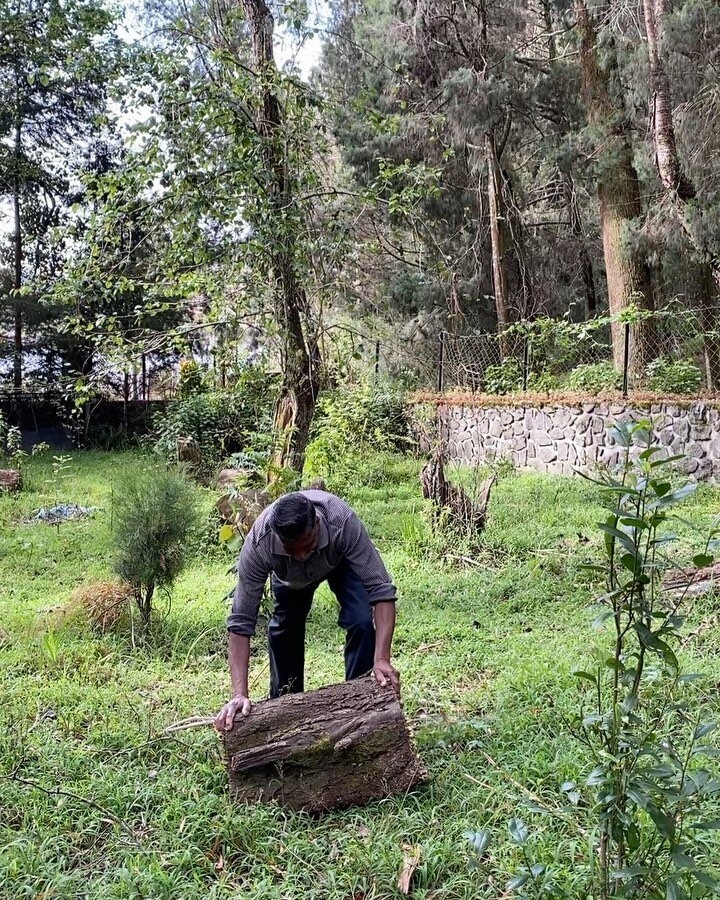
(560,438)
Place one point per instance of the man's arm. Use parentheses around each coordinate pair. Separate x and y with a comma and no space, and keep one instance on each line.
(363,557)
(252,574)
(384,613)
(239,659)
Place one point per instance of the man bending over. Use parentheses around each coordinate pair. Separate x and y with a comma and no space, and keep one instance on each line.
(299,541)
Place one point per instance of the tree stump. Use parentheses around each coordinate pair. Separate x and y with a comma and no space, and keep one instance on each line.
(464,512)
(10,480)
(339,746)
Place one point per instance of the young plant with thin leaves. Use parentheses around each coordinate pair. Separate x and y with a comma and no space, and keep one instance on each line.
(650,788)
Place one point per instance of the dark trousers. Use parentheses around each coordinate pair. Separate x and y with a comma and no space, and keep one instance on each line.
(286,630)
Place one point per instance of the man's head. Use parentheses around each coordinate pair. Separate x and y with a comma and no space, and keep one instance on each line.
(294,520)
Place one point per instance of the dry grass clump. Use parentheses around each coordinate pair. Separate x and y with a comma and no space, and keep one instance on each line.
(103,603)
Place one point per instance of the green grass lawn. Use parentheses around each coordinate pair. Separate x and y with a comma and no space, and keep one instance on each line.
(485,649)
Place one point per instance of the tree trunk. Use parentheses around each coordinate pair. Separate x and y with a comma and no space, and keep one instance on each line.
(678,186)
(627,272)
(448,499)
(300,354)
(498,241)
(17,269)
(340,746)
(576,229)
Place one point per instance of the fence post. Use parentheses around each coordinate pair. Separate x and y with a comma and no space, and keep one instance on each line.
(626,360)
(526,362)
(377,361)
(441,362)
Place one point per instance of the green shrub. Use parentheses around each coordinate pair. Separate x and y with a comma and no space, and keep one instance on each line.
(673,376)
(593,378)
(155,519)
(220,422)
(191,379)
(352,422)
(503,379)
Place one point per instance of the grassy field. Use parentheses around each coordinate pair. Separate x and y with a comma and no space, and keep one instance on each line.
(98,801)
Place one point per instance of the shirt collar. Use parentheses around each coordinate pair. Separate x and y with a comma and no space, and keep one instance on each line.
(323,538)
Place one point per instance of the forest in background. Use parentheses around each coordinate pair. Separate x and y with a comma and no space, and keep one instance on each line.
(447,166)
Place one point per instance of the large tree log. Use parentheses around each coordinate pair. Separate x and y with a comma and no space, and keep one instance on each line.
(339,746)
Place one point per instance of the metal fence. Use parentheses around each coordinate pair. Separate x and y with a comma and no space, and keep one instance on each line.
(667,352)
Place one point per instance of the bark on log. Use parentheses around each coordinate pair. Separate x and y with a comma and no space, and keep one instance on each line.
(339,746)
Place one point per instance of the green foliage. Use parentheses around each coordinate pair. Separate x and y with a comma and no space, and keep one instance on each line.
(154,519)
(11,451)
(505,378)
(651,788)
(222,423)
(673,376)
(352,422)
(593,378)
(191,379)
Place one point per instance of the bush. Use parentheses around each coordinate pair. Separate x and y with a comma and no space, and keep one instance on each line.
(594,378)
(191,379)
(154,522)
(220,422)
(673,376)
(355,421)
(103,604)
(503,379)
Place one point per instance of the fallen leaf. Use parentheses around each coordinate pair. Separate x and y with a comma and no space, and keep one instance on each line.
(411,861)
(220,864)
(364,831)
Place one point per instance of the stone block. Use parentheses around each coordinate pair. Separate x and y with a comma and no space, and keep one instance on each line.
(681,427)
(495,429)
(540,438)
(546,455)
(714,448)
(556,433)
(563,451)
(704,470)
(697,451)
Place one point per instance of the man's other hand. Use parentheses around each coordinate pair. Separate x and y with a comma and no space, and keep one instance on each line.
(386,675)
(225,718)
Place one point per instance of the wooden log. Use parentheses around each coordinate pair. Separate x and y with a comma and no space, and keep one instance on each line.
(10,480)
(339,746)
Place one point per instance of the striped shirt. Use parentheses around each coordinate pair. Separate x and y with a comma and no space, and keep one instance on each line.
(341,538)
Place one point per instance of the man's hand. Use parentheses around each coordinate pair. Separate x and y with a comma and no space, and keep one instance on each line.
(386,674)
(225,718)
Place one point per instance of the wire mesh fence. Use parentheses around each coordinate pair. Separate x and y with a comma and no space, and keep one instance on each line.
(669,352)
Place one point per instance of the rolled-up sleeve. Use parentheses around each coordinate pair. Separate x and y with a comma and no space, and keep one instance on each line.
(363,557)
(253,572)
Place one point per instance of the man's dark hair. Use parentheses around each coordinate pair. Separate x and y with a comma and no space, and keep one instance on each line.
(292,516)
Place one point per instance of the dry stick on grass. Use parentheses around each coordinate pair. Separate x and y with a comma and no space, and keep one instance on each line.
(59,792)
(525,790)
(204,721)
